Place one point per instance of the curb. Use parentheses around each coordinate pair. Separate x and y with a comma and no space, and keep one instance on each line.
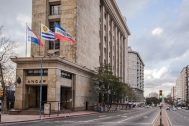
(48,118)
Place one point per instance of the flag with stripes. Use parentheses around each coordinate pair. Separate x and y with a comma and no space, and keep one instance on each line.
(33,38)
(46,33)
(62,34)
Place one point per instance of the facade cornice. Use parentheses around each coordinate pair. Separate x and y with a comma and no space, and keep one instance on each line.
(114,10)
(138,56)
(51,60)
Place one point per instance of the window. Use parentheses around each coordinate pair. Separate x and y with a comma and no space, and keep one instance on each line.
(37,72)
(51,25)
(54,9)
(66,75)
(55,43)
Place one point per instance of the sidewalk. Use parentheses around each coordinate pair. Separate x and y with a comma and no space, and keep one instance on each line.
(5,118)
(164,119)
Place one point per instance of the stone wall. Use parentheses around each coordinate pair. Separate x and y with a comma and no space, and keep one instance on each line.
(88,14)
(39,15)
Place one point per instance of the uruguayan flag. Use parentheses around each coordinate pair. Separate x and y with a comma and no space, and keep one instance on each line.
(46,33)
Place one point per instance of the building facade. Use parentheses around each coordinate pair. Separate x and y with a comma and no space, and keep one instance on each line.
(182,86)
(153,94)
(136,74)
(101,36)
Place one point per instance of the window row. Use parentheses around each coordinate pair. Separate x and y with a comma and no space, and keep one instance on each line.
(66,75)
(37,72)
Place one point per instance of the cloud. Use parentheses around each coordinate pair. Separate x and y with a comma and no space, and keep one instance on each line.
(155,73)
(130,8)
(157,31)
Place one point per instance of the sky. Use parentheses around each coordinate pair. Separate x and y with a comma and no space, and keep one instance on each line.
(159,32)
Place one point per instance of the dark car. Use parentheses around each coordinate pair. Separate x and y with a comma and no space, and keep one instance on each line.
(167,108)
(187,108)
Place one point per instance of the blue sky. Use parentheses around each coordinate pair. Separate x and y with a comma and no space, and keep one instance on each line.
(159,32)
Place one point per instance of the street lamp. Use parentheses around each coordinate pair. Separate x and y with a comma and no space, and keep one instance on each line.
(49,54)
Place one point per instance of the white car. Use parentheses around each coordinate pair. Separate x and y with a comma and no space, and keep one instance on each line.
(179,108)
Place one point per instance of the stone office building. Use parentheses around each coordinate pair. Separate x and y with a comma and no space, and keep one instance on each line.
(101,36)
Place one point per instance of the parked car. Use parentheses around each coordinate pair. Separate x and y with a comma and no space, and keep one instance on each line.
(179,108)
(167,108)
(187,108)
(174,109)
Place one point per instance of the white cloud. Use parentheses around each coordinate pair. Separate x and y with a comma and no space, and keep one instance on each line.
(155,73)
(157,31)
(23,19)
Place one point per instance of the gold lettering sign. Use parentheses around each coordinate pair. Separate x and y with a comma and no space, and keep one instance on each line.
(35,81)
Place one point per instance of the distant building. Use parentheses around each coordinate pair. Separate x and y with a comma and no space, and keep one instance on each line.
(136,74)
(182,86)
(153,94)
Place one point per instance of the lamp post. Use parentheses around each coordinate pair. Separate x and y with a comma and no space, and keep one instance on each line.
(40,106)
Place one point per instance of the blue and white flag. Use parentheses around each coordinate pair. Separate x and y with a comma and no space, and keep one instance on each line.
(46,33)
(33,38)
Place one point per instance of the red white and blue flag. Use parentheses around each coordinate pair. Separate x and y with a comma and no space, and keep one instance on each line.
(33,38)
(62,34)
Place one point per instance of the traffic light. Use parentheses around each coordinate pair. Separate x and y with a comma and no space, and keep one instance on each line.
(1,92)
(160,94)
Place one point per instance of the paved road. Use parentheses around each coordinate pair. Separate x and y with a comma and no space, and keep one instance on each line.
(178,117)
(142,117)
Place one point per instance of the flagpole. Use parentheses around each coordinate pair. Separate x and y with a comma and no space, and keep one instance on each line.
(26,41)
(40,37)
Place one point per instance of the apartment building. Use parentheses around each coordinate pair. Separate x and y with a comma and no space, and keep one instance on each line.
(101,36)
(136,74)
(182,85)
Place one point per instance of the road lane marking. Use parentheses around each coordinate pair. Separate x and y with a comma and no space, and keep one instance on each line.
(98,119)
(131,117)
(169,121)
(155,118)
(102,115)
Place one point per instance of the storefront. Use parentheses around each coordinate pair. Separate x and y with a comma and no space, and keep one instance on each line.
(64,84)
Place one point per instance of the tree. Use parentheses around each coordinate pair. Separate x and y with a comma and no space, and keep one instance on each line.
(109,87)
(7,50)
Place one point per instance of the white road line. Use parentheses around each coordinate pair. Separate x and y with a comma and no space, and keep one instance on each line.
(102,115)
(131,117)
(168,118)
(155,118)
(98,119)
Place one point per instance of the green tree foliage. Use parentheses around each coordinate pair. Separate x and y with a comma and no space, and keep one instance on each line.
(108,87)
(152,100)
(168,100)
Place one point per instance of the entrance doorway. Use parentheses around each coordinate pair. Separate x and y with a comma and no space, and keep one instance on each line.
(86,106)
(66,95)
(34,96)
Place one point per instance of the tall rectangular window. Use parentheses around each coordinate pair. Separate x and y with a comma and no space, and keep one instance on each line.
(51,25)
(54,9)
(54,44)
